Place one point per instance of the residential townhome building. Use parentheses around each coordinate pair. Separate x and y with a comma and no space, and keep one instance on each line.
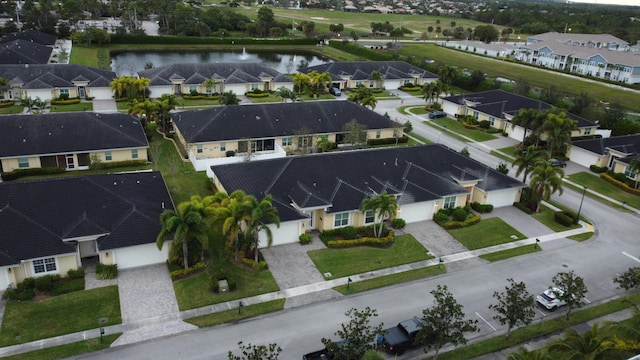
(225,134)
(614,153)
(70,140)
(325,191)
(213,78)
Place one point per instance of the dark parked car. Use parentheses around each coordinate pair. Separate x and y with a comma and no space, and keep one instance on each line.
(437,114)
(335,91)
(557,163)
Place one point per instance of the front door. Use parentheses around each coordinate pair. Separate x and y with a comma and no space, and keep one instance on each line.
(82,92)
(88,249)
(70,162)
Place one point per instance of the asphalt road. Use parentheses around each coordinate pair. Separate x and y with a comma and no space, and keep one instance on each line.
(299,330)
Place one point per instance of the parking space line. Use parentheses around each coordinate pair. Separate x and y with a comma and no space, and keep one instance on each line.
(630,256)
(586,300)
(481,318)
(541,312)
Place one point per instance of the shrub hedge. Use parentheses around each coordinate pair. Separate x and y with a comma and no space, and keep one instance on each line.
(482,208)
(5,104)
(201,97)
(65,102)
(598,169)
(257,266)
(523,207)
(18,173)
(563,219)
(104,272)
(143,39)
(387,141)
(182,273)
(54,285)
(115,164)
(257,95)
(363,241)
(452,224)
(398,223)
(621,184)
(361,51)
(305,238)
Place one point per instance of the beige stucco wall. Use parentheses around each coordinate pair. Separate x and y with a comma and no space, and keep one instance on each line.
(12,163)
(65,263)
(106,257)
(73,92)
(120,155)
(619,167)
(117,155)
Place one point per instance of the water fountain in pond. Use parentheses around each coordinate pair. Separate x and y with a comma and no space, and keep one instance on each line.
(244,55)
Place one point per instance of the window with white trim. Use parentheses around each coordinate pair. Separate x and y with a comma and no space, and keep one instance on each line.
(587,131)
(475,115)
(45,266)
(134,153)
(223,146)
(64,92)
(341,219)
(368,217)
(23,162)
(193,88)
(449,202)
(107,156)
(492,120)
(199,148)
(630,174)
(378,132)
(287,141)
(255,87)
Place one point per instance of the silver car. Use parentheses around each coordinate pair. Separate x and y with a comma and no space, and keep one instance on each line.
(549,300)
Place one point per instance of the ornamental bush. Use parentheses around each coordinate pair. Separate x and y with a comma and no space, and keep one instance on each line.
(562,218)
(305,238)
(398,223)
(104,272)
(598,169)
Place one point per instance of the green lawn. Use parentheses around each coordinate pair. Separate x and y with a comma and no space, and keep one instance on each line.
(593,181)
(67,350)
(418,110)
(235,315)
(456,126)
(392,279)
(513,71)
(509,253)
(15,109)
(83,106)
(344,262)
(546,216)
(423,140)
(266,99)
(197,102)
(26,321)
(488,232)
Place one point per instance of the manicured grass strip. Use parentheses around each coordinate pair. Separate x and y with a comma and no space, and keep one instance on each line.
(67,350)
(392,279)
(539,329)
(546,216)
(344,262)
(505,254)
(416,136)
(593,182)
(85,106)
(501,156)
(15,109)
(26,321)
(581,237)
(488,232)
(194,292)
(447,131)
(418,110)
(197,102)
(509,150)
(455,125)
(232,315)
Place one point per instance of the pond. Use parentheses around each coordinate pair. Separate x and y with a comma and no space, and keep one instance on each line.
(128,63)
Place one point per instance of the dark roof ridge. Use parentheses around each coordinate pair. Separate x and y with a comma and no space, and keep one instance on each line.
(340,182)
(310,194)
(279,174)
(27,218)
(82,218)
(105,123)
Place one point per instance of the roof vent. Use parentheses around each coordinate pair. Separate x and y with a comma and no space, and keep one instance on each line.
(257,117)
(137,181)
(24,140)
(115,183)
(163,204)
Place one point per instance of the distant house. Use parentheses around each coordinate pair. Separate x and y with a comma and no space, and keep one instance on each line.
(395,74)
(213,135)
(50,81)
(614,153)
(26,47)
(325,191)
(599,55)
(237,77)
(500,107)
(69,140)
(52,226)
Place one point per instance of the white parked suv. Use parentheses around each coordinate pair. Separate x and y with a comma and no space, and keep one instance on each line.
(549,300)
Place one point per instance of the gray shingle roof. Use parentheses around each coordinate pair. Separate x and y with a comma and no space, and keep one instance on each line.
(56,133)
(498,102)
(232,72)
(274,119)
(629,144)
(32,36)
(36,216)
(342,180)
(361,70)
(24,52)
(55,75)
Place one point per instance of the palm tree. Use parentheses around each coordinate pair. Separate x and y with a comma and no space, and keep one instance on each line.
(376,76)
(428,90)
(592,344)
(383,206)
(449,74)
(526,160)
(558,127)
(234,211)
(370,101)
(228,98)
(211,86)
(545,180)
(145,110)
(524,354)
(185,224)
(300,80)
(634,167)
(163,106)
(527,118)
(261,213)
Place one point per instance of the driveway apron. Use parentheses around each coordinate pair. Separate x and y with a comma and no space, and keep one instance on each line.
(108,105)
(148,304)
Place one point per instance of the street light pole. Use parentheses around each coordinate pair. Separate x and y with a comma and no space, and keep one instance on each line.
(584,190)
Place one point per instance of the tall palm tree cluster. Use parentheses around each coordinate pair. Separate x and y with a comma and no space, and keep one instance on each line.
(611,341)
(157,110)
(533,159)
(314,82)
(433,90)
(382,206)
(240,217)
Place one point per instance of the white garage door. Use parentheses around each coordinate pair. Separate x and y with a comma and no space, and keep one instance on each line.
(516,132)
(42,94)
(140,255)
(238,89)
(501,198)
(416,212)
(287,233)
(4,279)
(102,93)
(583,157)
(450,108)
